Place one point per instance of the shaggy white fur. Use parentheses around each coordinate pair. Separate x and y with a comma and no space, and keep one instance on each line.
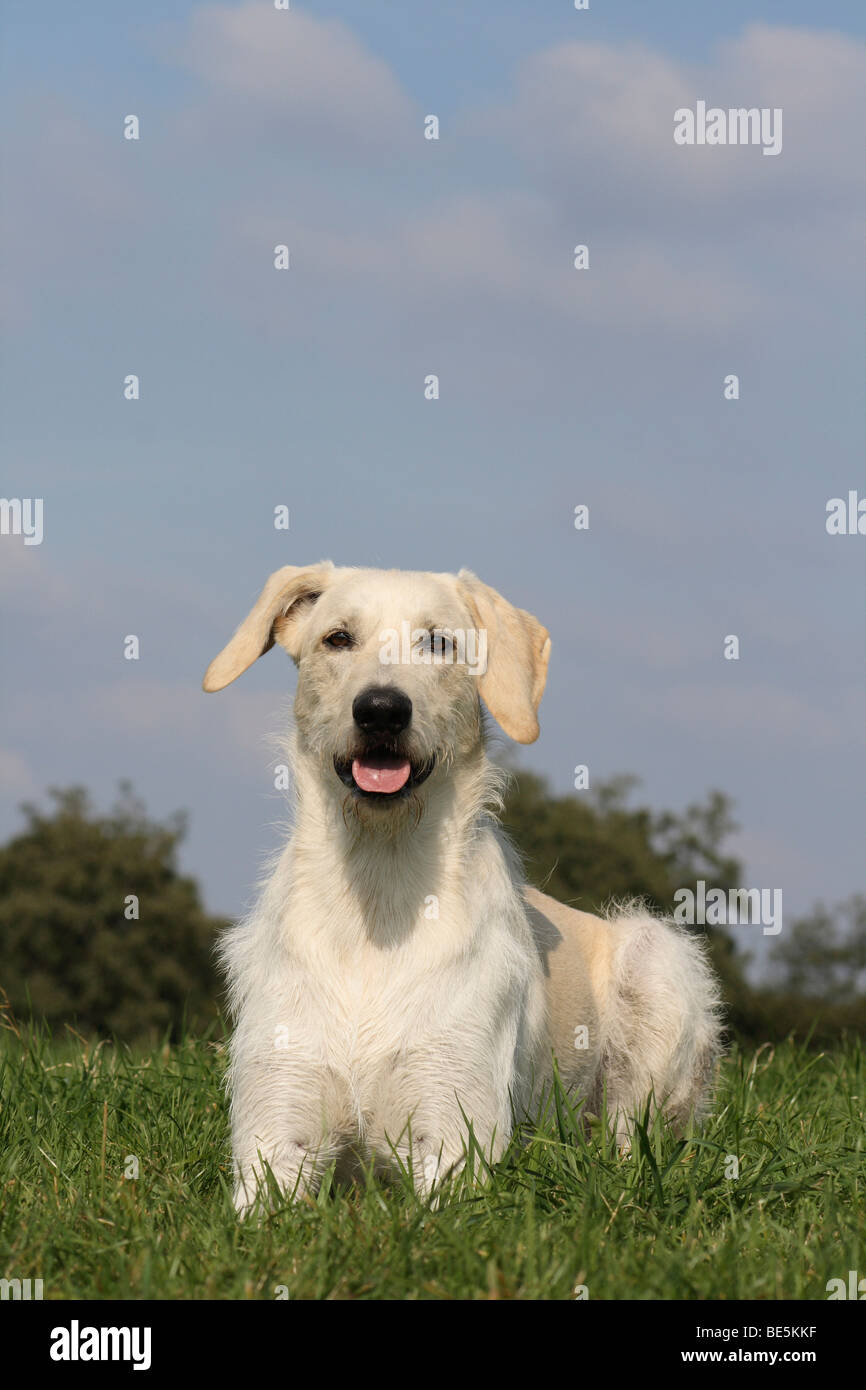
(396,978)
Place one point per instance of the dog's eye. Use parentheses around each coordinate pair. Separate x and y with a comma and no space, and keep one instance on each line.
(339,640)
(442,644)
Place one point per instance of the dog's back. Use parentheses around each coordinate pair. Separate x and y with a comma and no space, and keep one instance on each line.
(633,1008)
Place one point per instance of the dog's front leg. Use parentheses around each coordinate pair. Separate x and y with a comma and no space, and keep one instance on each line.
(260,1164)
(444,1127)
(430,1169)
(435,1158)
(280,1130)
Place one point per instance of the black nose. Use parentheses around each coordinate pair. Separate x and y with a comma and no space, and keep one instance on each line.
(382,709)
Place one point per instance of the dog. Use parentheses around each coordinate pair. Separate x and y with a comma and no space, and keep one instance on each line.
(398,983)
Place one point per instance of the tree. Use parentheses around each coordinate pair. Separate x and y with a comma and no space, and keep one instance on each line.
(594,848)
(97,926)
(824,955)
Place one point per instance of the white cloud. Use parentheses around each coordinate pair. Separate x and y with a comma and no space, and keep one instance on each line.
(685,240)
(596,122)
(16,777)
(504,250)
(689,240)
(27,577)
(312,75)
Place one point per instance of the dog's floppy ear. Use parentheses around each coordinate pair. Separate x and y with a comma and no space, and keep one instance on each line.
(518,650)
(273,618)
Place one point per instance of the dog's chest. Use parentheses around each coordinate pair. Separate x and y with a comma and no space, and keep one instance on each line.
(371,1024)
(366,1005)
(387,1025)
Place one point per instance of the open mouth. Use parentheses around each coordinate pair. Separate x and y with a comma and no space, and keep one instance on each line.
(382,772)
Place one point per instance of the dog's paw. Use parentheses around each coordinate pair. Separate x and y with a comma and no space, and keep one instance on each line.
(248,1204)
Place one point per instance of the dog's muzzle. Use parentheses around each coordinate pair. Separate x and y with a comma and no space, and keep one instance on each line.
(381,768)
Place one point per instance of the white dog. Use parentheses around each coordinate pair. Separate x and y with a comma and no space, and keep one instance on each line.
(397,979)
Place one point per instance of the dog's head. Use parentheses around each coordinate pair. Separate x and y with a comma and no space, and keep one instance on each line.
(391,664)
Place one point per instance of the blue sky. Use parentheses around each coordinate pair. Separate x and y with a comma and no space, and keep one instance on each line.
(558,387)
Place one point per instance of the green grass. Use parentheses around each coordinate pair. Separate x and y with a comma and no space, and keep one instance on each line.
(559,1211)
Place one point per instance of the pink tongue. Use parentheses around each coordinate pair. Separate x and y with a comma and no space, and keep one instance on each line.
(381,772)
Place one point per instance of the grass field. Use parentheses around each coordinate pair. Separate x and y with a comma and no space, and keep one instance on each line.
(558,1212)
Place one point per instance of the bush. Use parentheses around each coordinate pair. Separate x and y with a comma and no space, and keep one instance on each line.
(72,948)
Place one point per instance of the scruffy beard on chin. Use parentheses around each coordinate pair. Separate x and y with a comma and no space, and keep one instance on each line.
(383,821)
